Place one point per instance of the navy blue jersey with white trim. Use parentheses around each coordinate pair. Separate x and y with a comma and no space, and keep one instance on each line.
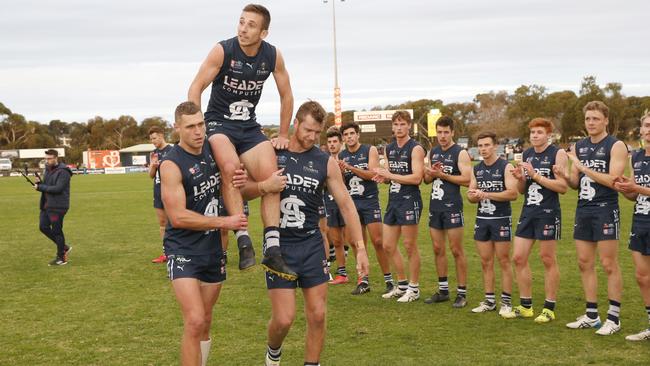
(161,153)
(237,88)
(399,162)
(641,167)
(357,186)
(492,178)
(595,157)
(538,197)
(201,182)
(445,195)
(299,201)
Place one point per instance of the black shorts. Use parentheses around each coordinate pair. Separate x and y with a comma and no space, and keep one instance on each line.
(243,135)
(209,268)
(224,212)
(307,258)
(597,224)
(405,211)
(157,199)
(368,210)
(443,220)
(640,237)
(493,229)
(541,226)
(334,218)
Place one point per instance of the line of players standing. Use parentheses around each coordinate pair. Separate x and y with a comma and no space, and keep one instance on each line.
(598,163)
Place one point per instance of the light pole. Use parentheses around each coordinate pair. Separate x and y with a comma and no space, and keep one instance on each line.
(337,90)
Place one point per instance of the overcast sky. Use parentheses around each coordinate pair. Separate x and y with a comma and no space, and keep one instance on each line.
(76,59)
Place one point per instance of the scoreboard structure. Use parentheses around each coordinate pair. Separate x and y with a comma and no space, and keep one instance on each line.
(376,126)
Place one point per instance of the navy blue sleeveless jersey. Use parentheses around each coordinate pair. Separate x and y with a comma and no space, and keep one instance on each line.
(201,181)
(399,162)
(161,153)
(596,157)
(491,178)
(357,187)
(445,196)
(237,88)
(538,197)
(306,176)
(641,166)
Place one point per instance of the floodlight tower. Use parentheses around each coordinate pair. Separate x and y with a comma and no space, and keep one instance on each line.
(337,90)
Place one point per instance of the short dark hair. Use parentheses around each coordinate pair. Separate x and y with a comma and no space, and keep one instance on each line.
(487,134)
(185,108)
(156,129)
(334,132)
(596,105)
(403,115)
(261,10)
(348,125)
(445,121)
(53,152)
(312,108)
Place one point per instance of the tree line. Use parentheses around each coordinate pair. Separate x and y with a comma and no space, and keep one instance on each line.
(506,114)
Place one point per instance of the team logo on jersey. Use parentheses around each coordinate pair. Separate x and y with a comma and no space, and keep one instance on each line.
(195,169)
(600,151)
(310,168)
(356,187)
(638,164)
(437,192)
(236,65)
(282,161)
(642,206)
(487,207)
(479,173)
(240,111)
(395,187)
(587,192)
(263,70)
(535,197)
(292,216)
(583,150)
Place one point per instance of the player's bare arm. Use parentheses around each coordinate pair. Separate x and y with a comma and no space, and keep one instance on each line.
(173,196)
(206,74)
(281,77)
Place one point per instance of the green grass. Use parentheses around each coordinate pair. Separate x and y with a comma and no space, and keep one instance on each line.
(111,306)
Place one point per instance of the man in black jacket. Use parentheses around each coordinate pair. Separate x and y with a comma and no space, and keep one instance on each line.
(55,201)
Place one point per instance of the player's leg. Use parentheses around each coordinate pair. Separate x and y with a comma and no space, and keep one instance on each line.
(335,235)
(608,253)
(283,312)
(189,297)
(391,234)
(642,273)
(502,251)
(410,241)
(374,231)
(547,253)
(486,251)
(455,237)
(162,224)
(261,162)
(586,253)
(440,255)
(524,277)
(209,293)
(315,314)
(56,226)
(225,154)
